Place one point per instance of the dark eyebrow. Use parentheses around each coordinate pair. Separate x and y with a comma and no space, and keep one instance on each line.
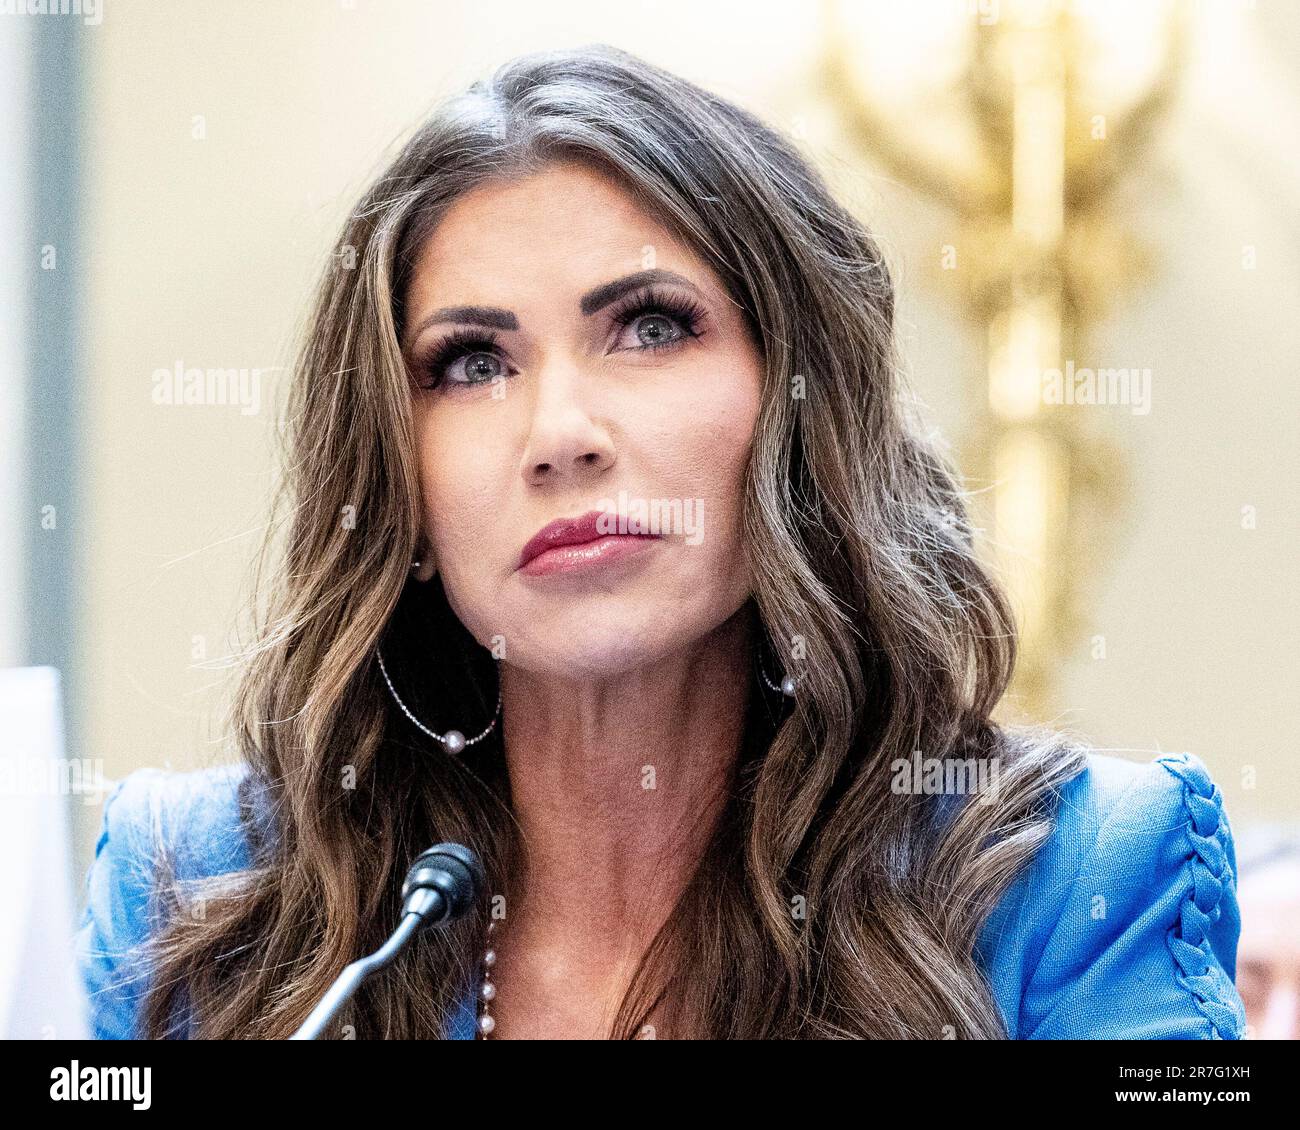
(593,300)
(492,316)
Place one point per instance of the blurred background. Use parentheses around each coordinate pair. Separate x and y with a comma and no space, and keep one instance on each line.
(1091,209)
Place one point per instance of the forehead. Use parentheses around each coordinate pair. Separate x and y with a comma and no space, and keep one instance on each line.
(568,225)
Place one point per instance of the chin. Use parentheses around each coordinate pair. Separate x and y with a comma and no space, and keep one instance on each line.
(586,646)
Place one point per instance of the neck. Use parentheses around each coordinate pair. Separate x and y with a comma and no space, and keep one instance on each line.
(617,784)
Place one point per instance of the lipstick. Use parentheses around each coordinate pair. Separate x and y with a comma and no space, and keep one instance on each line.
(572,544)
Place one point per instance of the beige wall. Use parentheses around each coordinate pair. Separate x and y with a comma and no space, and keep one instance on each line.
(205,250)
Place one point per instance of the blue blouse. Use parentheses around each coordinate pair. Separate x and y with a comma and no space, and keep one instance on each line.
(1123,926)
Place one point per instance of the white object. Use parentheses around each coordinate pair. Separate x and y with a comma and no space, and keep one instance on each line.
(41,996)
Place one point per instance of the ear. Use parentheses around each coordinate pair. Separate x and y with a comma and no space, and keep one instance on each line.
(427,567)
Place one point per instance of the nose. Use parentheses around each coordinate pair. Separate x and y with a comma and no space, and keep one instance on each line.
(565,441)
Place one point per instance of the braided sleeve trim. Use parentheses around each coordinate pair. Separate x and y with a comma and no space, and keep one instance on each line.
(1210,872)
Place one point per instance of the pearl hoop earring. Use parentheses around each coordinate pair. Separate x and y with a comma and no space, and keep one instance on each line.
(453,741)
(788,686)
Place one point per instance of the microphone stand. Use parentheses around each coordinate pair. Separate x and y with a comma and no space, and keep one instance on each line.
(441,886)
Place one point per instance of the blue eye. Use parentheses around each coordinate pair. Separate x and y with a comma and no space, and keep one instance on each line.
(478,349)
(659,321)
(653,313)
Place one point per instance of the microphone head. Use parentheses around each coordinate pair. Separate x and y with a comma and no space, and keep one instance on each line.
(453,872)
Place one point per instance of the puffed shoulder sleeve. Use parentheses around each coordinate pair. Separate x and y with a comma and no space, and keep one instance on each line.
(115,924)
(1145,944)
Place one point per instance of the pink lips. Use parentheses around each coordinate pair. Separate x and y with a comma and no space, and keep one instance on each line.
(569,544)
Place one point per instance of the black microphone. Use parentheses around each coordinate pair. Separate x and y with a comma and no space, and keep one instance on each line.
(442,885)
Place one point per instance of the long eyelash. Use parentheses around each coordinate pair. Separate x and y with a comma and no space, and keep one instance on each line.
(459,343)
(651,301)
(465,342)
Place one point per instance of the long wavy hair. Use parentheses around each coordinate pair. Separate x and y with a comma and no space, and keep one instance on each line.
(829,903)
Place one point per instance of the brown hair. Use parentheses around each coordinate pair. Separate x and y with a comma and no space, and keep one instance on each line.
(866,586)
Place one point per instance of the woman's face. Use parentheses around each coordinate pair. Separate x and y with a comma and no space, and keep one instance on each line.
(564,392)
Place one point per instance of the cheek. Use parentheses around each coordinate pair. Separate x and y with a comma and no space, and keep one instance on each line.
(706,440)
(459,486)
(460,515)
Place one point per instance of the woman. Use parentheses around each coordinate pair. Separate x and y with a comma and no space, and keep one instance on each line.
(613,554)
